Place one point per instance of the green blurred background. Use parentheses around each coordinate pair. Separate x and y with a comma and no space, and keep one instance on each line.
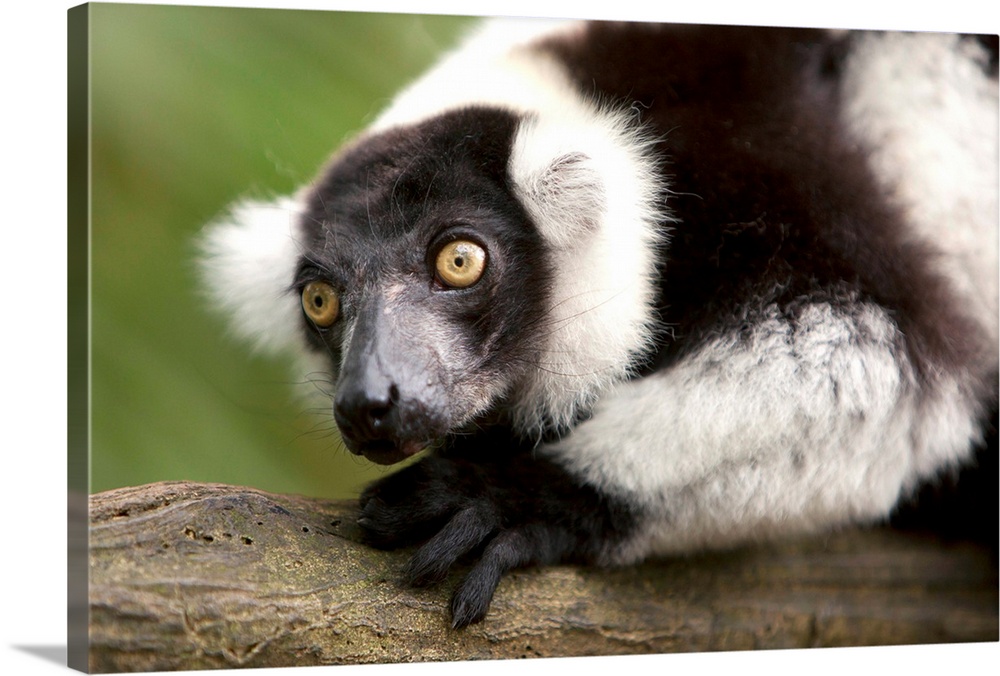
(193,108)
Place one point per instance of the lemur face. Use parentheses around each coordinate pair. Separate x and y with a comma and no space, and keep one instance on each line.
(419,279)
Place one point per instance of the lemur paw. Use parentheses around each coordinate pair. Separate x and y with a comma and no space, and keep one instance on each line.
(429,502)
(453,508)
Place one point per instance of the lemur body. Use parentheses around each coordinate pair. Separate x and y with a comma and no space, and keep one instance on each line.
(644,289)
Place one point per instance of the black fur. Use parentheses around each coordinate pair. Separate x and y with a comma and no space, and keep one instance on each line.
(991,43)
(489,499)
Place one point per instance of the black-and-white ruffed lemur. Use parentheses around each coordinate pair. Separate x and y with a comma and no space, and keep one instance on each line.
(644,289)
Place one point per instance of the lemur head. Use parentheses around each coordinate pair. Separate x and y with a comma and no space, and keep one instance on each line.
(479,262)
(422,279)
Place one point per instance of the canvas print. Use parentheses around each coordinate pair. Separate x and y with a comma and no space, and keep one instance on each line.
(528,338)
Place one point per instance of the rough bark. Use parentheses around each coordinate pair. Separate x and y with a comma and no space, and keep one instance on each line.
(200,576)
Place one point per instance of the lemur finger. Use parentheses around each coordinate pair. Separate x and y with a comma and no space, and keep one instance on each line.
(466,530)
(509,549)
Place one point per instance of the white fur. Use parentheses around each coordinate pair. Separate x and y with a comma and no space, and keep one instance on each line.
(798,428)
(598,216)
(921,104)
(494,66)
(248,264)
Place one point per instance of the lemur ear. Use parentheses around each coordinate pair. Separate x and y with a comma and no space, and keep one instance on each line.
(565,197)
(556,169)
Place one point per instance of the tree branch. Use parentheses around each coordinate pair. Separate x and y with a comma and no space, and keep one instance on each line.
(200,576)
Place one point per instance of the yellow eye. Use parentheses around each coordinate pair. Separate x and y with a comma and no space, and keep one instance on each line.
(320,303)
(460,263)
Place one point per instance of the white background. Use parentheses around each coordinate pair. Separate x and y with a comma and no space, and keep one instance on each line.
(33,347)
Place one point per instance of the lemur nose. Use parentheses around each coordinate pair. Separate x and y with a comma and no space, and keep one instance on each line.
(366,416)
